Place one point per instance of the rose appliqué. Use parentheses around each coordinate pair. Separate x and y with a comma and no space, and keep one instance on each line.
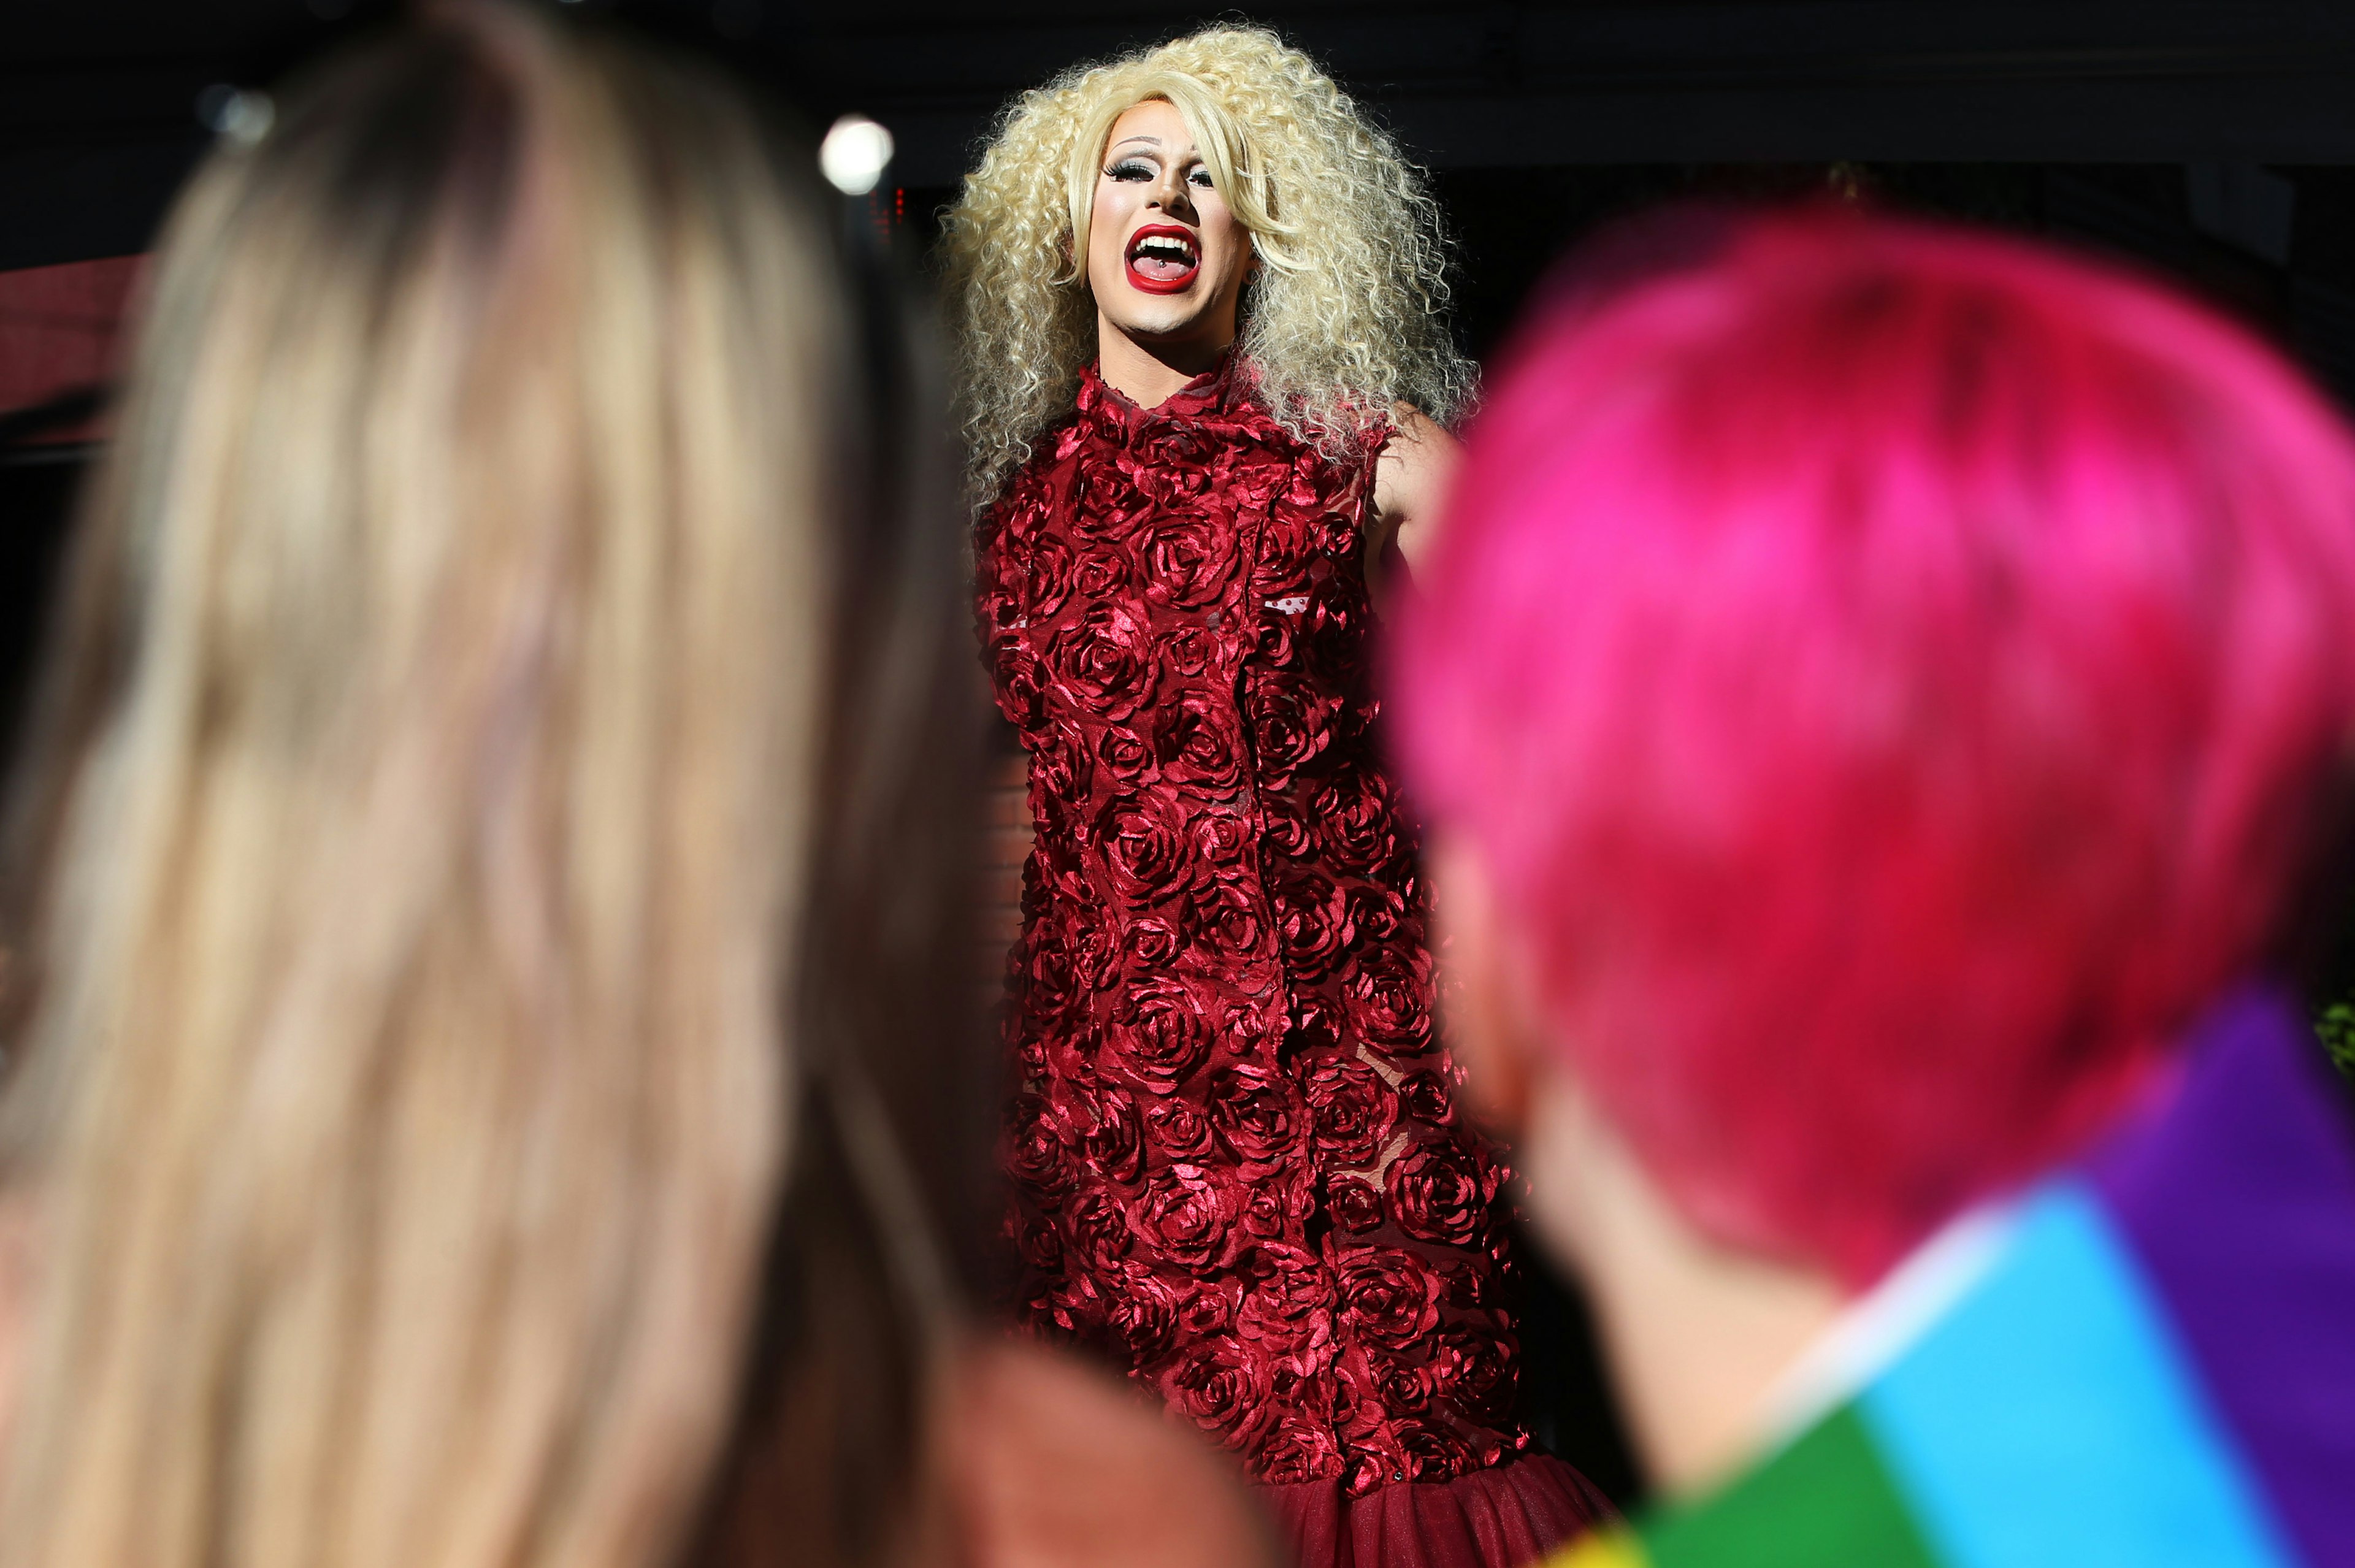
(1352,1109)
(1103,663)
(1388,1295)
(1188,1216)
(1159,1034)
(1187,563)
(1236,1162)
(1442,1192)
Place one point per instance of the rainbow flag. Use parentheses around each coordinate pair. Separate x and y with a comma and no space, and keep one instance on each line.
(2152,1364)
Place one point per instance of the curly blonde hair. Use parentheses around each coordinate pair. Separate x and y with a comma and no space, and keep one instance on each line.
(1345,317)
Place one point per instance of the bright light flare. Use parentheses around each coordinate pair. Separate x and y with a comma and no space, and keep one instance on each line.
(854,155)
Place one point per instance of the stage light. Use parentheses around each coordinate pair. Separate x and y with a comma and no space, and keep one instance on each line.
(855,153)
(242,116)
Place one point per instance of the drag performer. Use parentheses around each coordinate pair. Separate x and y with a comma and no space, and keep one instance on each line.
(1205,376)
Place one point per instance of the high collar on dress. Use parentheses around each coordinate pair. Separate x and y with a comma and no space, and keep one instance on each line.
(1221,393)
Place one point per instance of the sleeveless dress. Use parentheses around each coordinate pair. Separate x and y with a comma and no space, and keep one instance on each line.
(1239,1168)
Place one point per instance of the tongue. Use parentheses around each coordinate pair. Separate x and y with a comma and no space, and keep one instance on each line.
(1160,269)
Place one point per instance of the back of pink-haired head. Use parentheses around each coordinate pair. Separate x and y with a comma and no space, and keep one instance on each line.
(1894,676)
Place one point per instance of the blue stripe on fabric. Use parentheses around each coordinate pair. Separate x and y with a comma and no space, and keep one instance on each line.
(2050,1422)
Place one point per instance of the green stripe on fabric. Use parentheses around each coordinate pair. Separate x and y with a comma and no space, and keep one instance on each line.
(1611,1547)
(1825,1501)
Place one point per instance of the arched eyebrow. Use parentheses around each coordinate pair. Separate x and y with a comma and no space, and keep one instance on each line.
(1192,155)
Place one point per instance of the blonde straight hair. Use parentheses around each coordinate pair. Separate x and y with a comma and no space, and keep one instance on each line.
(424,804)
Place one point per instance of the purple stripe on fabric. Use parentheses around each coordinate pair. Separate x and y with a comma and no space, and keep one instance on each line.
(2238,1196)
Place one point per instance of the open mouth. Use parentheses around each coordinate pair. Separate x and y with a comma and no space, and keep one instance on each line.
(1163,258)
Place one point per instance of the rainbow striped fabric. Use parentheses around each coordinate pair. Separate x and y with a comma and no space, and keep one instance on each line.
(2155,1365)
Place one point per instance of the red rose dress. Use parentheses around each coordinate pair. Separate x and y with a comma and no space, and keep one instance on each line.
(1238,1166)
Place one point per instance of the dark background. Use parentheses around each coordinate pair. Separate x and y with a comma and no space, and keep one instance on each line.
(2212,142)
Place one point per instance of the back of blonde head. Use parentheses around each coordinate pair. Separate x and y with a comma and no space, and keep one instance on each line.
(406,1090)
(1346,316)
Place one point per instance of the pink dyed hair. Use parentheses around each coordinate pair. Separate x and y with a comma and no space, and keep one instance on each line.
(1894,675)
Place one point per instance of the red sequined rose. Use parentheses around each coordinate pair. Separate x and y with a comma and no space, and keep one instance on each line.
(1196,747)
(1061,773)
(1220,838)
(1224,1388)
(1099,1229)
(1180,1131)
(1401,1384)
(1354,821)
(1390,1001)
(1047,576)
(1276,1205)
(1352,1109)
(1226,920)
(1038,1243)
(1110,1140)
(1424,1095)
(1151,943)
(1102,662)
(1379,914)
(1189,560)
(1315,1029)
(1442,1192)
(1144,1311)
(1159,1034)
(1355,1206)
(1036,1155)
(1188,1215)
(1432,1454)
(1144,843)
(1287,831)
(1291,726)
(1020,679)
(1049,983)
(1124,755)
(1301,1448)
(1190,650)
(1209,1307)
(1313,917)
(1388,1294)
(1289,1304)
(1477,1368)
(1254,1113)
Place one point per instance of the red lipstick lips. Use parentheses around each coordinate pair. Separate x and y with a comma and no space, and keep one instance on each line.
(1163,258)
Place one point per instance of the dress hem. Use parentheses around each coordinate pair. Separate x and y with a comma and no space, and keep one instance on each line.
(1508,1516)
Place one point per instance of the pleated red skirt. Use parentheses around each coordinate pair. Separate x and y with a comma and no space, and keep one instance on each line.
(1507,1517)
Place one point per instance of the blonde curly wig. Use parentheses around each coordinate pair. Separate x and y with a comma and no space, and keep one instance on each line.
(1345,315)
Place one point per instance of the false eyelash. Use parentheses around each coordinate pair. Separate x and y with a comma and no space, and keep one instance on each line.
(1127,166)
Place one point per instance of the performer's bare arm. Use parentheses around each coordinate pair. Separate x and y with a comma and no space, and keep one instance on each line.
(1409,481)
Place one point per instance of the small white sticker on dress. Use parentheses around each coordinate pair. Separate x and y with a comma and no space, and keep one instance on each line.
(1292,605)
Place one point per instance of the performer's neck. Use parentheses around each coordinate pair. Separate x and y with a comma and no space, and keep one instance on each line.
(1148,372)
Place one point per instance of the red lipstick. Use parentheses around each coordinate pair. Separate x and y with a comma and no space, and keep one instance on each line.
(1168,264)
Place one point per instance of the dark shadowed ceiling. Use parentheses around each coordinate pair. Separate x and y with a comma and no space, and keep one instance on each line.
(97,119)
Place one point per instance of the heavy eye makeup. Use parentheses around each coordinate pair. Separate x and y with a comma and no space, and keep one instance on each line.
(1131,170)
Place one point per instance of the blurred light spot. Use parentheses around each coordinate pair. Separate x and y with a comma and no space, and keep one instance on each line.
(329,10)
(242,116)
(854,155)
